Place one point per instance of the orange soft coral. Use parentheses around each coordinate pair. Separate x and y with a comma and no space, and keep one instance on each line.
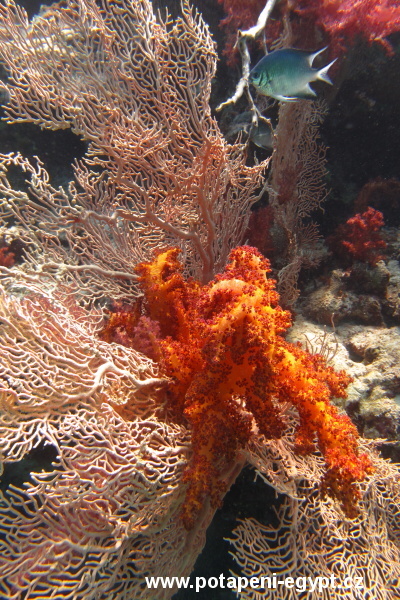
(231,370)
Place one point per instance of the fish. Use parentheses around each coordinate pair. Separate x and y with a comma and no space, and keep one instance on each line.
(261,134)
(285,74)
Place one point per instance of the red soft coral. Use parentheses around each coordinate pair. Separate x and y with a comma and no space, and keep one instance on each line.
(345,20)
(339,22)
(231,371)
(359,238)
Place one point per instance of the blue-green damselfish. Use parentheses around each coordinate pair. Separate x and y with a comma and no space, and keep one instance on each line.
(286,74)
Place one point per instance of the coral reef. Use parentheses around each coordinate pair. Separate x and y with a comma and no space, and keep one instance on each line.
(375,401)
(146,383)
(359,294)
(335,301)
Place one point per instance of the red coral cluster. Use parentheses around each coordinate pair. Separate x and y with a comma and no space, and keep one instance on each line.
(11,252)
(345,20)
(7,257)
(231,371)
(339,22)
(359,238)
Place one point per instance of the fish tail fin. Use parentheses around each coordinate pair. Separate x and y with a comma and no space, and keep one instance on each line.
(322,74)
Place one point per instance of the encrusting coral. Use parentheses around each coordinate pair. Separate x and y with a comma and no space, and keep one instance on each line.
(231,372)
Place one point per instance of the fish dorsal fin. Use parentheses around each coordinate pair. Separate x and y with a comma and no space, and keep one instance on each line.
(313,55)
